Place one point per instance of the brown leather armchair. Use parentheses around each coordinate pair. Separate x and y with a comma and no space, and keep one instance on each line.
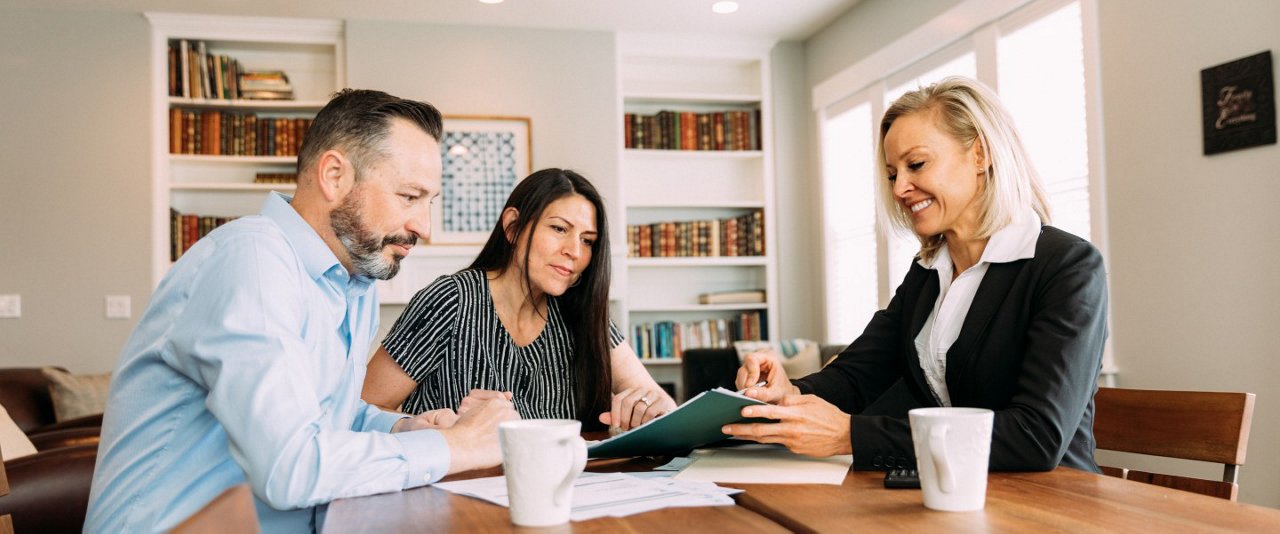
(49,490)
(24,392)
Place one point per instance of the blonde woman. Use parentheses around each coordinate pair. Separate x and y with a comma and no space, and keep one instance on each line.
(999,310)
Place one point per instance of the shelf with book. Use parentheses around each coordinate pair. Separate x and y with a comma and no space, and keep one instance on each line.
(216,154)
(695,123)
(247,104)
(214,186)
(700,307)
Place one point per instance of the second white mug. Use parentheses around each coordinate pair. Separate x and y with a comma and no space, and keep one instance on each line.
(541,458)
(953,449)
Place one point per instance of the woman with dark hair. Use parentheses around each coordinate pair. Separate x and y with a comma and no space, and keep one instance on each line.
(528,320)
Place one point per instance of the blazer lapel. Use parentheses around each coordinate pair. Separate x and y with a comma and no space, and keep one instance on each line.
(923,306)
(991,295)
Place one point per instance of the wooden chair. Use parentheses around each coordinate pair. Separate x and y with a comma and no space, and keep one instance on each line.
(1191,425)
(6,521)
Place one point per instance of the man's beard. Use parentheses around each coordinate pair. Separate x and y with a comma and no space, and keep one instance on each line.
(365,247)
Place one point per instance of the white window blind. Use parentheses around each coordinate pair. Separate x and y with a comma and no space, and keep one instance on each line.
(848,146)
(1038,63)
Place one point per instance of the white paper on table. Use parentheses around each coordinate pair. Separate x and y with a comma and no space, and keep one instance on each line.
(764,464)
(609,494)
(676,464)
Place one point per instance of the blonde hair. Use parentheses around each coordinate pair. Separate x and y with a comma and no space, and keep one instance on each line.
(969,111)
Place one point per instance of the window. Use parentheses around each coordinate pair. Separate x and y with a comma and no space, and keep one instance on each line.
(1030,57)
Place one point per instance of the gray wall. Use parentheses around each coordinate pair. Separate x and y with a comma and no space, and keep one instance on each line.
(564,81)
(867,27)
(800,300)
(75,148)
(1192,238)
(75,186)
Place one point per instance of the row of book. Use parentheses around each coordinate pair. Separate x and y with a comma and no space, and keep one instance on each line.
(735,236)
(669,339)
(234,133)
(196,73)
(688,130)
(275,178)
(185,229)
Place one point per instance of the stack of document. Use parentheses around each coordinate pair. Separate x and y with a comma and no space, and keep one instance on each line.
(609,494)
(759,463)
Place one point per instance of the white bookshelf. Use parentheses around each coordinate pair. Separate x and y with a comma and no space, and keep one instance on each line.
(309,51)
(689,73)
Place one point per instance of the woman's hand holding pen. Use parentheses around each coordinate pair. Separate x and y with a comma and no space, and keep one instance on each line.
(633,407)
(766,367)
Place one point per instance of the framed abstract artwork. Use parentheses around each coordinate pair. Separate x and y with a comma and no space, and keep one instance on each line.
(483,158)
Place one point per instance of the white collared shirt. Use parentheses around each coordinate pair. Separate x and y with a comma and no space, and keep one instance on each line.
(1011,243)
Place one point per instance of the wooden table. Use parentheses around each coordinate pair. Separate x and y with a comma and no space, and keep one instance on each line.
(428,509)
(1064,500)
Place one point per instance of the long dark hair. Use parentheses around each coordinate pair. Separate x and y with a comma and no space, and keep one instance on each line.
(585,305)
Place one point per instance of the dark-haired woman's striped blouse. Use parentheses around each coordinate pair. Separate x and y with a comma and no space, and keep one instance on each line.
(450,341)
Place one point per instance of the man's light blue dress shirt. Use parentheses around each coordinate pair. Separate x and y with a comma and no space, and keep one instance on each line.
(248,365)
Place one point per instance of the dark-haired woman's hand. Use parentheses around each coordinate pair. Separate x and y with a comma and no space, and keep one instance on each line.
(633,407)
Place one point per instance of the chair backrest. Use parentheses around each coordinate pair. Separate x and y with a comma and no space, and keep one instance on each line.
(231,511)
(704,369)
(1191,425)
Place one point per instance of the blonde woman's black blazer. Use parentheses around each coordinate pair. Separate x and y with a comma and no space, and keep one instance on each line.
(1030,349)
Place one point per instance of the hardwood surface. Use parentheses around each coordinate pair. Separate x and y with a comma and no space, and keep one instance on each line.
(1065,500)
(427,509)
(1061,500)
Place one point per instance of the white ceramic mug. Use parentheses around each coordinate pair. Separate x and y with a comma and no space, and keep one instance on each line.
(541,458)
(953,446)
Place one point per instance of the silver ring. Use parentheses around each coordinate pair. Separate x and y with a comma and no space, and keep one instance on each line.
(645,400)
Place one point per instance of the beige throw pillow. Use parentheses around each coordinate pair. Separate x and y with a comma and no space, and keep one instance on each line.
(800,357)
(13,442)
(76,395)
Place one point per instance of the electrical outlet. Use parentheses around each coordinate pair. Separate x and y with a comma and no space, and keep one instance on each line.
(119,306)
(10,306)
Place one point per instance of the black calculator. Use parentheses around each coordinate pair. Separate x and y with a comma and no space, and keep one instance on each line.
(902,479)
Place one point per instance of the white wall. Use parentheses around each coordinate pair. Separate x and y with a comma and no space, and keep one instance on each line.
(867,27)
(800,300)
(75,191)
(1192,238)
(564,81)
(74,182)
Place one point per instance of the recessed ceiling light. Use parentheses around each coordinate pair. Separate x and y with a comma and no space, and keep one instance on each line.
(724,8)
(490,1)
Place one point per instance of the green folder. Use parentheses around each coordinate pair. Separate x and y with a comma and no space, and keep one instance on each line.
(696,423)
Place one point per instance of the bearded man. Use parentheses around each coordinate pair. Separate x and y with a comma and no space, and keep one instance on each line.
(248,362)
